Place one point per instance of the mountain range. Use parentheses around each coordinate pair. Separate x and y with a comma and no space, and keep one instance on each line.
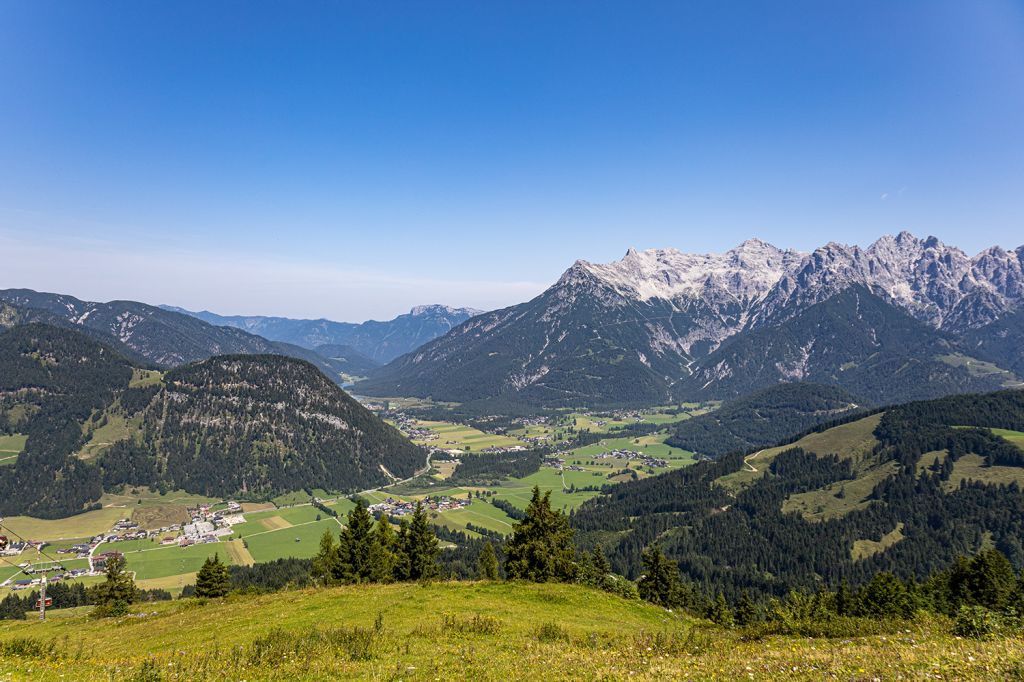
(165,337)
(904,318)
(381,342)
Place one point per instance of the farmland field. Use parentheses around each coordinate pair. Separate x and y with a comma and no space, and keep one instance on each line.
(170,560)
(301,541)
(78,526)
(462,437)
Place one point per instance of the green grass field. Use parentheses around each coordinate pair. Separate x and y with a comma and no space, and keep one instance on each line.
(300,541)
(851,441)
(145,377)
(78,526)
(972,468)
(461,437)
(468,631)
(841,498)
(155,561)
(862,549)
(116,428)
(10,447)
(1015,437)
(979,368)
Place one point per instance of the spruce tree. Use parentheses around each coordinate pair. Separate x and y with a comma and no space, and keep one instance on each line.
(12,608)
(213,579)
(325,564)
(421,547)
(402,566)
(746,610)
(540,548)
(488,563)
(660,581)
(382,560)
(355,545)
(718,611)
(600,562)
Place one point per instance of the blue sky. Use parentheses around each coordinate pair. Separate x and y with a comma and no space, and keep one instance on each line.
(350,160)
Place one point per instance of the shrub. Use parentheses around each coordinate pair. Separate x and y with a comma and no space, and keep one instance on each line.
(552,632)
(28,647)
(478,624)
(979,622)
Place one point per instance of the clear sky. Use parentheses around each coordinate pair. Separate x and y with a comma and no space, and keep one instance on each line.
(352,159)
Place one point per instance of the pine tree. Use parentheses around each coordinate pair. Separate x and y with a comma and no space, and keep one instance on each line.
(325,564)
(844,601)
(718,611)
(421,547)
(600,562)
(746,610)
(488,563)
(354,547)
(213,579)
(382,558)
(660,581)
(118,586)
(540,548)
(12,608)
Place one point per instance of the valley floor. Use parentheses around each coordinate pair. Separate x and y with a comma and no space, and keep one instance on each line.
(477,631)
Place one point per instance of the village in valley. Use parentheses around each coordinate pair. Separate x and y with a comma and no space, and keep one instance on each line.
(165,536)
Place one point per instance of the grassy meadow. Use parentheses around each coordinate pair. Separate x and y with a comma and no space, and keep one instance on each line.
(10,447)
(467,631)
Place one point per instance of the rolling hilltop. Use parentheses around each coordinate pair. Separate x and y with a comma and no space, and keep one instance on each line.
(244,425)
(904,319)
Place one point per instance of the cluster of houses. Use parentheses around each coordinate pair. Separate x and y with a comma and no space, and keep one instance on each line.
(495,450)
(410,428)
(207,525)
(29,583)
(556,462)
(124,529)
(631,456)
(14,548)
(393,507)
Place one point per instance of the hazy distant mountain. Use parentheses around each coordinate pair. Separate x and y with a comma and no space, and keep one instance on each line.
(888,322)
(161,337)
(379,341)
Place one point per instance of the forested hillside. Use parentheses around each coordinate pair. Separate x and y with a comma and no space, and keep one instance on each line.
(904,492)
(762,418)
(247,425)
(260,425)
(51,381)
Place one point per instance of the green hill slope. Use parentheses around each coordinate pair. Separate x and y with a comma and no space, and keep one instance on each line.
(248,425)
(462,631)
(762,418)
(917,485)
